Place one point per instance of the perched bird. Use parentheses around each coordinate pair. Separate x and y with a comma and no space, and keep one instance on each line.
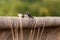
(20,15)
(28,15)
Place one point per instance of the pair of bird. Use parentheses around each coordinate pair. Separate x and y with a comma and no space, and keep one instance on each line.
(27,15)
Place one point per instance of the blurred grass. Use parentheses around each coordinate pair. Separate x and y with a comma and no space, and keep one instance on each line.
(35,7)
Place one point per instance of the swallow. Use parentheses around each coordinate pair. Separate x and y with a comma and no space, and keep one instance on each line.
(28,15)
(20,15)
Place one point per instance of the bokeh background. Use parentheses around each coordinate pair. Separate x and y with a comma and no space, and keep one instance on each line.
(35,7)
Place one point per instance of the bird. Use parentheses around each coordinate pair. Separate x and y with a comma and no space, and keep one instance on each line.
(28,15)
(20,15)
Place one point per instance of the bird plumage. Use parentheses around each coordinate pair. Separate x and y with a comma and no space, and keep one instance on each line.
(20,15)
(28,15)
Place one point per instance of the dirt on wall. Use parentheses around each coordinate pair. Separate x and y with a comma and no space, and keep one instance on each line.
(48,34)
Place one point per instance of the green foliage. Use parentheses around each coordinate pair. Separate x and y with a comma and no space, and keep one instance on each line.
(54,7)
(35,7)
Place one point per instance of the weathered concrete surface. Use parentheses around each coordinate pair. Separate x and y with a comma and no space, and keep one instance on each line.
(8,22)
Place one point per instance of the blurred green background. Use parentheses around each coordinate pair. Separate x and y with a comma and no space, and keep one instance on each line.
(35,7)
